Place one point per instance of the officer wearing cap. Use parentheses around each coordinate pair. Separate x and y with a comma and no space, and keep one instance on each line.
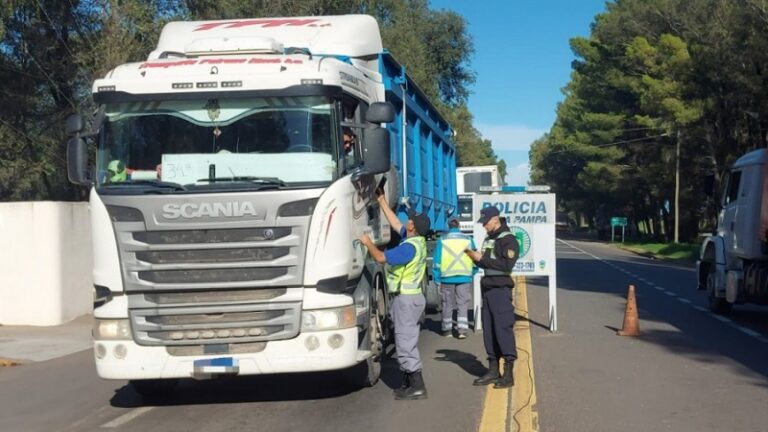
(406,267)
(497,258)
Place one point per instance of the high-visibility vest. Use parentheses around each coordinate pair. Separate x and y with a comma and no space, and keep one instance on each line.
(406,279)
(453,260)
(489,243)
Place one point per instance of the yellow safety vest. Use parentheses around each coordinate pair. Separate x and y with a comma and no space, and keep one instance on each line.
(489,243)
(453,260)
(406,279)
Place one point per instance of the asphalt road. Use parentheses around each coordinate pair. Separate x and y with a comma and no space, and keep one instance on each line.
(66,395)
(689,370)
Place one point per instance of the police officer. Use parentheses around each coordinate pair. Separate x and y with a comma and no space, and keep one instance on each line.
(406,267)
(453,270)
(497,257)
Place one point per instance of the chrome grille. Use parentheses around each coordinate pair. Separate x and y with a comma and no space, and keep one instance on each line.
(204,297)
(235,317)
(213,275)
(210,282)
(216,324)
(212,256)
(237,235)
(206,259)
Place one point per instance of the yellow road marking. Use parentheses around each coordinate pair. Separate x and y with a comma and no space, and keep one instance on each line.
(495,410)
(521,417)
(524,415)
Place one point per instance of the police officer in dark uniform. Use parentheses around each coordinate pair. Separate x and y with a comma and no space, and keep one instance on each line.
(499,252)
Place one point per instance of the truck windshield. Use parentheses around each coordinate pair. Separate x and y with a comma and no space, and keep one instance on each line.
(217,143)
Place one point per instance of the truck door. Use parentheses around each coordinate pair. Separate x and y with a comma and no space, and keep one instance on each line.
(727,223)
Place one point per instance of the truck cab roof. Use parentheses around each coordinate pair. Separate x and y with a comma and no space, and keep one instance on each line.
(756,157)
(350,35)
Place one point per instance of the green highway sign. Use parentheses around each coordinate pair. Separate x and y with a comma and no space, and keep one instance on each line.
(618,221)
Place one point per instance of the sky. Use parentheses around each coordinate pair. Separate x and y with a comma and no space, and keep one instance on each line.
(522,60)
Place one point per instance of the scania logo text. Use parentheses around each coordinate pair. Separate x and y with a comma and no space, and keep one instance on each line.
(223,209)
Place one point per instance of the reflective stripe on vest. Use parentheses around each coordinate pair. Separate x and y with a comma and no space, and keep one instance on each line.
(490,243)
(453,260)
(406,279)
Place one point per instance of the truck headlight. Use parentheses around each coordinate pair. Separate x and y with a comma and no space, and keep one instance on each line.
(111,329)
(328,319)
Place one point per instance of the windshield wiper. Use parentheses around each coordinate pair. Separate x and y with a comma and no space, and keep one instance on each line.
(249,179)
(151,183)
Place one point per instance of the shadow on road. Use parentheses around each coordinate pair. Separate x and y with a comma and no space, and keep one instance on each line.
(244,389)
(468,362)
(530,321)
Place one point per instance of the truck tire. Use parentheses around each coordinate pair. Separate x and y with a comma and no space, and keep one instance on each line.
(432,295)
(367,373)
(153,389)
(716,304)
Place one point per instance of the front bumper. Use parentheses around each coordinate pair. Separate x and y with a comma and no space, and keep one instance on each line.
(285,356)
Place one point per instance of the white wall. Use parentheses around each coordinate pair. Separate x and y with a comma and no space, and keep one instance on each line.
(45,262)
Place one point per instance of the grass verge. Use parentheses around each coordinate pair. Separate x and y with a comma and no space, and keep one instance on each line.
(684,253)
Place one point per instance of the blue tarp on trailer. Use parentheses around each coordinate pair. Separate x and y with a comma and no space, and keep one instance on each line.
(425,140)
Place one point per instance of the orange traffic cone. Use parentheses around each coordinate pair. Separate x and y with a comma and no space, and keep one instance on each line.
(631,321)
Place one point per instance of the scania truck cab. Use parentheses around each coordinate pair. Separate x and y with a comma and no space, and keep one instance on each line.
(227,202)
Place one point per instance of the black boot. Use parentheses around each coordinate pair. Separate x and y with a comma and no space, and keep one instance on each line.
(416,389)
(405,384)
(506,380)
(491,376)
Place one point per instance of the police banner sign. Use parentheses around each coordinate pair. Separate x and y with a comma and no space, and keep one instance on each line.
(531,218)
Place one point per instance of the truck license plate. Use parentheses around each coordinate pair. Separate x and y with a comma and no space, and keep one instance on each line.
(219,365)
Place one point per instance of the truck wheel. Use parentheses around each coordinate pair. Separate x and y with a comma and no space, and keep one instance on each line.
(432,295)
(367,373)
(384,323)
(152,389)
(717,305)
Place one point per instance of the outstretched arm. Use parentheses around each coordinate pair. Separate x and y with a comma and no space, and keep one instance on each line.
(392,218)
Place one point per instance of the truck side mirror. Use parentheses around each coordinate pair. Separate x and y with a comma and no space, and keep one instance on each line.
(74,125)
(709,185)
(376,150)
(380,112)
(77,161)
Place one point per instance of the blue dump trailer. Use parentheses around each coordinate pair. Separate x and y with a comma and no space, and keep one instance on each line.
(427,173)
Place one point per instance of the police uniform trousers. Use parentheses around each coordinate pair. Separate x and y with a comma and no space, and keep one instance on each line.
(498,323)
(406,314)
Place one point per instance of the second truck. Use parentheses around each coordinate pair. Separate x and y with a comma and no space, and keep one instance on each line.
(733,262)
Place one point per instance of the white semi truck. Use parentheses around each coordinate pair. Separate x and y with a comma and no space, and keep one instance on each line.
(733,262)
(234,171)
(469,180)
